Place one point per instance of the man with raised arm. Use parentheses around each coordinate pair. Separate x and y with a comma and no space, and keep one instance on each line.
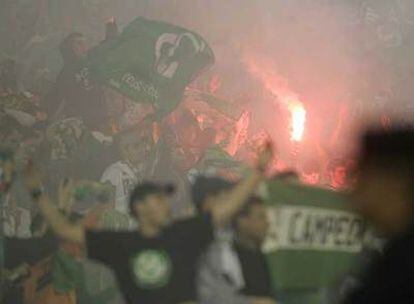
(157,263)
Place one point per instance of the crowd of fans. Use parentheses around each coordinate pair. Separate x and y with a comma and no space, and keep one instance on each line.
(102,144)
(91,146)
(76,129)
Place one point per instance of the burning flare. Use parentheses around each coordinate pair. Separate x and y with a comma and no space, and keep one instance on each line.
(279,87)
(298,119)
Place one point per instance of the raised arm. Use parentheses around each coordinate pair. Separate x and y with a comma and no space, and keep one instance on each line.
(57,221)
(226,207)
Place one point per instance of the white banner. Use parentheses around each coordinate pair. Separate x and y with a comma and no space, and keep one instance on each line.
(312,228)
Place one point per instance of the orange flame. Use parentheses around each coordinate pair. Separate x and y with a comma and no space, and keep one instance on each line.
(279,87)
(298,119)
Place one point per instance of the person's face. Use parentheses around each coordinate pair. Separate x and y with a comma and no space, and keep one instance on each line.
(255,224)
(381,198)
(79,47)
(214,199)
(339,175)
(156,209)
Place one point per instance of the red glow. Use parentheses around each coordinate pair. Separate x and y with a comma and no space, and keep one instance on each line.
(279,87)
(298,119)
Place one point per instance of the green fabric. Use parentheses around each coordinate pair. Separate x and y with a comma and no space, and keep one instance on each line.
(313,238)
(305,296)
(152,62)
(67,272)
(68,275)
(115,220)
(217,157)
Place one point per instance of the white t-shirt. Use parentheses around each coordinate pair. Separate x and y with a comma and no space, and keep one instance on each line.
(17,225)
(124,179)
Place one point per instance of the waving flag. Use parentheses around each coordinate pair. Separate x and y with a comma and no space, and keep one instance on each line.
(313,238)
(152,61)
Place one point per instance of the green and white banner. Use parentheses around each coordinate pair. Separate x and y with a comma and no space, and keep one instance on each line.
(313,228)
(313,237)
(151,61)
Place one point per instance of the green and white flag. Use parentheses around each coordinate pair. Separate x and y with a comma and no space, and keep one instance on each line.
(313,237)
(151,61)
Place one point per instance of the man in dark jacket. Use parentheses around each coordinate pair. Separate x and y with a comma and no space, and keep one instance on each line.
(75,94)
(384,195)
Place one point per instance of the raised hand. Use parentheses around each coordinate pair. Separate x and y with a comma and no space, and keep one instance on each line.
(65,195)
(265,157)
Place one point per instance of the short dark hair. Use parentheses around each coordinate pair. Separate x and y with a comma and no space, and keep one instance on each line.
(392,151)
(205,187)
(144,189)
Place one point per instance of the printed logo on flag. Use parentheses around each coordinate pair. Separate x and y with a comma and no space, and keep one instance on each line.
(169,50)
(129,81)
(151,62)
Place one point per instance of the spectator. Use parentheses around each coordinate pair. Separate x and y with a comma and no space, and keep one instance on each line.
(236,271)
(384,196)
(135,147)
(24,260)
(75,93)
(183,139)
(154,265)
(17,220)
(94,203)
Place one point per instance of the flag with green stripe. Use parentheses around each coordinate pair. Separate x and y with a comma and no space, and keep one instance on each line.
(152,61)
(313,238)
